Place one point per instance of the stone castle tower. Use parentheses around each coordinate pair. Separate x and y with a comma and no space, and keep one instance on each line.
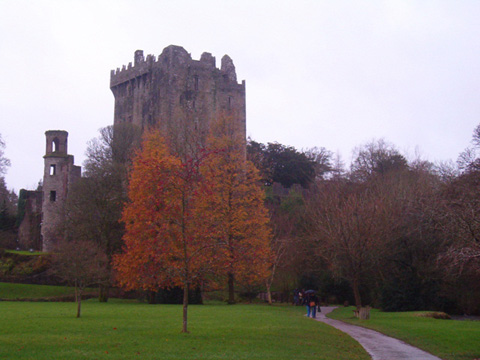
(174,90)
(59,174)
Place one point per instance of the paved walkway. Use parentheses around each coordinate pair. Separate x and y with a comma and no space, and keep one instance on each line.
(379,346)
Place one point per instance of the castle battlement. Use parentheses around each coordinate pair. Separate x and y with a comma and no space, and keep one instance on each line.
(173,89)
(171,57)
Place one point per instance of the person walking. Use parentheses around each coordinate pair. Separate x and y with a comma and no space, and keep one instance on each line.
(311,302)
(314,302)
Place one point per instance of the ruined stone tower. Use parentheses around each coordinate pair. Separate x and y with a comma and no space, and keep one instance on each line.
(59,174)
(175,90)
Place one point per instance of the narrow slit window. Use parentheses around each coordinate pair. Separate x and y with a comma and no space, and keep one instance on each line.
(196,82)
(53,196)
(53,169)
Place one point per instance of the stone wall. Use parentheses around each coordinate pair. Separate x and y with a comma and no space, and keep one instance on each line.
(174,91)
(29,230)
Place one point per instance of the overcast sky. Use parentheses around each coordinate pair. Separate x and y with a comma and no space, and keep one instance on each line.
(332,74)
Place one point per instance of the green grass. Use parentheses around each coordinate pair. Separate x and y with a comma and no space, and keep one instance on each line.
(448,339)
(129,330)
(25,252)
(24,291)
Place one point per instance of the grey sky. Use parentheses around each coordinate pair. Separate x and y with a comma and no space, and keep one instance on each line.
(319,73)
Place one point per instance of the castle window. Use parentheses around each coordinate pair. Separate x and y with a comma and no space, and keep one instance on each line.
(53,169)
(54,145)
(229,102)
(53,196)
(195,78)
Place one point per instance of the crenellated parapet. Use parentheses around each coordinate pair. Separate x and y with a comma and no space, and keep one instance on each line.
(172,56)
(141,67)
(173,89)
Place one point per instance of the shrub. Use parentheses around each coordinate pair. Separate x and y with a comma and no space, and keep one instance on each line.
(6,265)
(436,315)
(22,269)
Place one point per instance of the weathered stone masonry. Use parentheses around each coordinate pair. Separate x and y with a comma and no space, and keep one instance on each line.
(59,174)
(175,89)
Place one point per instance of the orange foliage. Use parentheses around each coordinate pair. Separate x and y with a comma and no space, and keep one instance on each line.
(193,218)
(236,208)
(166,242)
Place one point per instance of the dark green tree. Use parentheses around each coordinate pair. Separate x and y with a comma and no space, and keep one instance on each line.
(286,165)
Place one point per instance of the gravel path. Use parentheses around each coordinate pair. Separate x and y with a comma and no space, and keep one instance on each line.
(379,346)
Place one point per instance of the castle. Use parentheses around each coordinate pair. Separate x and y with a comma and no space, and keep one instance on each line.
(41,227)
(173,92)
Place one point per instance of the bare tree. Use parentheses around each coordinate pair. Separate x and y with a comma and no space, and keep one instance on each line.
(348,226)
(376,157)
(461,222)
(322,160)
(81,264)
(96,201)
(286,207)
(8,203)
(4,162)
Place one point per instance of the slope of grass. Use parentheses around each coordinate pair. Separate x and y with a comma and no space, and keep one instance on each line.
(448,339)
(25,291)
(126,330)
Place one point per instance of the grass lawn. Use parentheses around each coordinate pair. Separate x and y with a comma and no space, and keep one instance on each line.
(25,252)
(448,339)
(130,330)
(24,291)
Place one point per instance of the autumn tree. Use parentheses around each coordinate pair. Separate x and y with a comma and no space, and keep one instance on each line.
(167,240)
(81,264)
(236,208)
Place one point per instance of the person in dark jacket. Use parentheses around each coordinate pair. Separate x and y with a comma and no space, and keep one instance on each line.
(311,301)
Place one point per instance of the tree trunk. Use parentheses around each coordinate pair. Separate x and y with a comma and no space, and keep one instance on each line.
(76,290)
(152,297)
(269,293)
(185,308)
(79,303)
(356,293)
(103,293)
(231,289)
